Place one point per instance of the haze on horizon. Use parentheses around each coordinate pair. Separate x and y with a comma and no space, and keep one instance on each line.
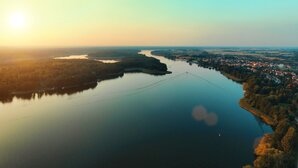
(148,23)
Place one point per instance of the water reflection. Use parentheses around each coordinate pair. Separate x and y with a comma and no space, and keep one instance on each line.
(201,114)
(260,123)
(108,61)
(37,95)
(131,122)
(71,57)
(256,142)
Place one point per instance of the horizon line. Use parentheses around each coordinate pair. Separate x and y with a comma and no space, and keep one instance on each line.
(148,46)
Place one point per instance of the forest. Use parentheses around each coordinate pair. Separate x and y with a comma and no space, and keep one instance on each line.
(50,75)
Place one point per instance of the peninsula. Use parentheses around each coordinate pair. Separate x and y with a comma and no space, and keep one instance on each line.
(47,76)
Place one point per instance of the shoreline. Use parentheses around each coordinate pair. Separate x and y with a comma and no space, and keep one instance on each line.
(246,106)
(269,142)
(106,77)
(265,145)
(229,76)
(50,89)
(146,71)
(265,118)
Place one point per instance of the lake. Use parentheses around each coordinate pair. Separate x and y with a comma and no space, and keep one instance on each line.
(190,118)
(85,57)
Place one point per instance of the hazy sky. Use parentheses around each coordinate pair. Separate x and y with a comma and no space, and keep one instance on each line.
(148,22)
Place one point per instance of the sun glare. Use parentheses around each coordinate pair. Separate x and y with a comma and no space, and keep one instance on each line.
(17,20)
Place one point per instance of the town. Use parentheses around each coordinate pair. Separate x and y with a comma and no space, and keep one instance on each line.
(280,67)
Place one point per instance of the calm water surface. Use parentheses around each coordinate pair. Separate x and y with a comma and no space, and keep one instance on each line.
(190,118)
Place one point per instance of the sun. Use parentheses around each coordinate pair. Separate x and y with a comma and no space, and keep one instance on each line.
(17,20)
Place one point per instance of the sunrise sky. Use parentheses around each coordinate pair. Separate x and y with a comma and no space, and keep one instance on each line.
(148,23)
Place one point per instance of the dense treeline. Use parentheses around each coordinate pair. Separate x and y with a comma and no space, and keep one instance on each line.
(114,53)
(32,76)
(277,100)
(10,54)
(164,53)
(143,62)
(129,58)
(24,54)
(27,77)
(280,103)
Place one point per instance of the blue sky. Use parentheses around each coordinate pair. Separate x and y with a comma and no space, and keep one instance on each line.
(151,22)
